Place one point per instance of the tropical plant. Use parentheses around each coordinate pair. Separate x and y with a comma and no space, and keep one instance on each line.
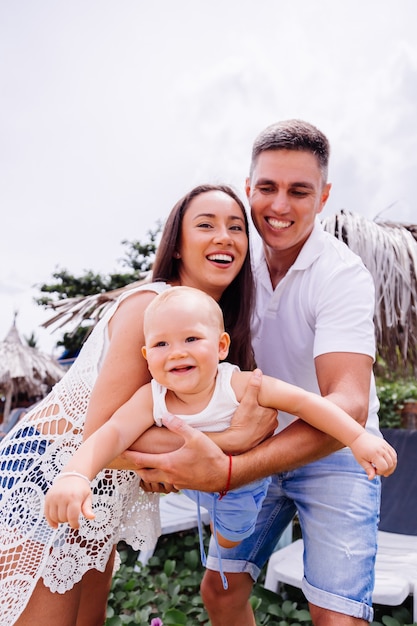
(31,340)
(139,254)
(167,589)
(392,397)
(81,300)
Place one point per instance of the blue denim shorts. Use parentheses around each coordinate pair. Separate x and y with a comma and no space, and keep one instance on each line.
(338,510)
(234,516)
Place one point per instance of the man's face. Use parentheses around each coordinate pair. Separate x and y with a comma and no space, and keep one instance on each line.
(285,193)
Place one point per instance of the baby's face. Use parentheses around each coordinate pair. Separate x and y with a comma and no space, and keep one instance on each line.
(183,347)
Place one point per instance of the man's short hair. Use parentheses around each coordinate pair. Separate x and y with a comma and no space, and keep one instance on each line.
(293,135)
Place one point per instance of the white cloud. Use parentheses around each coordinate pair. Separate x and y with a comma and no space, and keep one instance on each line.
(112,110)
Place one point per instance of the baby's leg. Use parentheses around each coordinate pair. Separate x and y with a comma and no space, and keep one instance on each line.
(223,542)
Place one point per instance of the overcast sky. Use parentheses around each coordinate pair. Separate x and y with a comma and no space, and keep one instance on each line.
(112,109)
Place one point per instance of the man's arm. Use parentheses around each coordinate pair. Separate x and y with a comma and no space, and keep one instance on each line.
(344,378)
(210,465)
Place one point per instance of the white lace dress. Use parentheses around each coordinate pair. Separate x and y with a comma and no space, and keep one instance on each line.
(31,455)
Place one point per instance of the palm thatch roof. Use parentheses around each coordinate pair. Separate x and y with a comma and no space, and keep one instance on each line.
(25,370)
(73,311)
(389,251)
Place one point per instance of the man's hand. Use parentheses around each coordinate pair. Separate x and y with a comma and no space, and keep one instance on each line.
(252,423)
(198,464)
(156,487)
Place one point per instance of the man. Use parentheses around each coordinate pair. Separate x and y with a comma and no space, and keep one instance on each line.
(313,328)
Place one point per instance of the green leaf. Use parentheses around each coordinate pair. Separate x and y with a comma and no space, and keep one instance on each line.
(255,602)
(173,617)
(275,609)
(390,621)
(192,559)
(288,608)
(169,567)
(114,621)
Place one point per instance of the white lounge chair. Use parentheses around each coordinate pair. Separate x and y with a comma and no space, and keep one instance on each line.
(177,513)
(396,561)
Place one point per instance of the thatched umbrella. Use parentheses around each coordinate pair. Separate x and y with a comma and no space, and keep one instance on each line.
(25,370)
(389,251)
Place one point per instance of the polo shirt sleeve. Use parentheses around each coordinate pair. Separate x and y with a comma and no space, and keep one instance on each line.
(345,305)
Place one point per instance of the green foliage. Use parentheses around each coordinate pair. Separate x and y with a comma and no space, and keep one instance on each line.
(69,286)
(73,341)
(168,588)
(392,395)
(139,255)
(31,340)
(394,616)
(287,609)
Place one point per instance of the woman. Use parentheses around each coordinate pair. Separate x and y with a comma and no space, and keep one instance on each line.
(204,245)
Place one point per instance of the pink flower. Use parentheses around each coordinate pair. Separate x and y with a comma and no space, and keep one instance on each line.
(156,621)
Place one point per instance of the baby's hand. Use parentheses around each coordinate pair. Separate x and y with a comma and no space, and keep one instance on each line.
(375,455)
(66,499)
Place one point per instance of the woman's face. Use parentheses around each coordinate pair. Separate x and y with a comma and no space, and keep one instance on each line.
(213,244)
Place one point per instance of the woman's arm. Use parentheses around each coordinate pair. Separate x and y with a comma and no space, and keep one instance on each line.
(124,369)
(70,494)
(156,440)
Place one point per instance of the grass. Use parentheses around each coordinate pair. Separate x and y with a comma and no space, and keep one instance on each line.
(165,592)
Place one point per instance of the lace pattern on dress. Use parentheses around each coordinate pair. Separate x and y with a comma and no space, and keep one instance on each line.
(31,455)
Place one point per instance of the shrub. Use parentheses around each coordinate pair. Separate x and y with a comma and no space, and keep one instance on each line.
(165,592)
(392,396)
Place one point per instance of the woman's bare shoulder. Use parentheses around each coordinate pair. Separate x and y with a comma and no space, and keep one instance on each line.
(132,308)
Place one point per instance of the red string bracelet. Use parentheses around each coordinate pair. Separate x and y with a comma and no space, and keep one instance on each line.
(229,478)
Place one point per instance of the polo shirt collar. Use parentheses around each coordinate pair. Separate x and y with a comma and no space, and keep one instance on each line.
(311,250)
